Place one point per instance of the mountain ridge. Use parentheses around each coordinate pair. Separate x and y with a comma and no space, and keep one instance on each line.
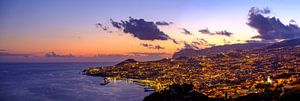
(236,47)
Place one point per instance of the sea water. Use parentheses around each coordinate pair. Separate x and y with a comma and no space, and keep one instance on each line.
(62,82)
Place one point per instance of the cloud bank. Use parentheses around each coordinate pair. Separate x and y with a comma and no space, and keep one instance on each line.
(53,54)
(271,28)
(141,29)
(3,53)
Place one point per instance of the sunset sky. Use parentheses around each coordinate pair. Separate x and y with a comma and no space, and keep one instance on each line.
(70,31)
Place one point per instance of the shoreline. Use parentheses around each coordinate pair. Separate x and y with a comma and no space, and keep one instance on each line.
(147,84)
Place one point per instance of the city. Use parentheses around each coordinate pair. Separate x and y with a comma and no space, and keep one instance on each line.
(234,74)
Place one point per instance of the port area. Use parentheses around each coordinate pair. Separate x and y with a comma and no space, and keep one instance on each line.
(149,85)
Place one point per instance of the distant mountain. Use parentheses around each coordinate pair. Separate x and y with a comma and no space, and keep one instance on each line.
(127,61)
(292,42)
(217,49)
(227,48)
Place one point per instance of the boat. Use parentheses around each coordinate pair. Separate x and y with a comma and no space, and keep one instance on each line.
(106,81)
(148,89)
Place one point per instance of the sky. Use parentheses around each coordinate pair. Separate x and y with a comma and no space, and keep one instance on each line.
(82,31)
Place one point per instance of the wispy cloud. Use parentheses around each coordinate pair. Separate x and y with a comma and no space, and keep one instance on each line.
(53,54)
(224,32)
(150,46)
(147,54)
(198,44)
(186,32)
(163,23)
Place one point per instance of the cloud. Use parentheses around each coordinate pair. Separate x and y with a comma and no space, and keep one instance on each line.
(3,53)
(175,41)
(2,50)
(99,25)
(115,24)
(189,46)
(130,55)
(185,31)
(141,29)
(255,10)
(163,23)
(293,21)
(271,28)
(112,56)
(206,31)
(53,54)
(158,47)
(261,41)
(140,56)
(226,41)
(224,32)
(150,46)
(199,44)
(147,54)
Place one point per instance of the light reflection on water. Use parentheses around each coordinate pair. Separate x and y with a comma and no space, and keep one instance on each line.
(61,82)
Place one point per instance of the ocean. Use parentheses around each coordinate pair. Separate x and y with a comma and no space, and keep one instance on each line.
(62,82)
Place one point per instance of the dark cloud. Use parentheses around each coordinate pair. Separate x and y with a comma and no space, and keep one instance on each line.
(145,54)
(224,32)
(99,25)
(226,41)
(163,23)
(293,24)
(140,56)
(53,54)
(185,31)
(206,31)
(4,53)
(202,41)
(293,21)
(158,47)
(175,41)
(255,10)
(141,29)
(130,55)
(199,44)
(146,45)
(271,28)
(111,55)
(189,46)
(261,41)
(116,24)
(150,46)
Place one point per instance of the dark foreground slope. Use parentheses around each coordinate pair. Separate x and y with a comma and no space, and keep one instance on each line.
(185,92)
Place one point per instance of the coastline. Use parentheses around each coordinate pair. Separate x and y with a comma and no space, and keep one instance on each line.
(148,85)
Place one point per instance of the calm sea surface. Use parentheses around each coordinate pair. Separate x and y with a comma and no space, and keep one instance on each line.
(61,82)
